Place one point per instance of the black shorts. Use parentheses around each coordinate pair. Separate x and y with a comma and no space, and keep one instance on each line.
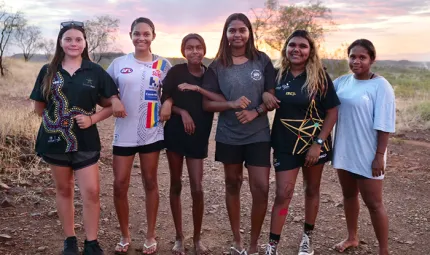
(285,161)
(190,153)
(254,154)
(130,151)
(76,160)
(357,176)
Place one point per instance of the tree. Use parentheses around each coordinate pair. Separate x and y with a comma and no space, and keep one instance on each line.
(48,48)
(101,33)
(28,39)
(313,17)
(9,21)
(263,19)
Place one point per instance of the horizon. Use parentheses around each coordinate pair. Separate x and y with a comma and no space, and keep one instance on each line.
(390,25)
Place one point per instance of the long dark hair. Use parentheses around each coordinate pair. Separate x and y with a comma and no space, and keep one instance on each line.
(58,58)
(224,52)
(368,45)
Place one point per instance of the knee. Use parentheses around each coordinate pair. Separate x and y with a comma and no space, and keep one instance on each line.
(176,188)
(65,190)
(91,195)
(350,194)
(151,184)
(375,206)
(233,185)
(196,189)
(120,188)
(284,196)
(312,191)
(260,192)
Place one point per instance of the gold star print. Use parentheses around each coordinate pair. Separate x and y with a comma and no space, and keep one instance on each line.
(307,130)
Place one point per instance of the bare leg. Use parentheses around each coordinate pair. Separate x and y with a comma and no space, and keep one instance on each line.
(64,185)
(89,186)
(149,166)
(233,184)
(371,192)
(122,171)
(285,183)
(352,208)
(175,165)
(259,184)
(195,171)
(312,182)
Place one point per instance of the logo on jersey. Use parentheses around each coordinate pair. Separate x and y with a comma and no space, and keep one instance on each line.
(157,69)
(256,75)
(126,70)
(151,95)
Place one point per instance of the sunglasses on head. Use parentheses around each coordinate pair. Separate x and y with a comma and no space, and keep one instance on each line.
(72,24)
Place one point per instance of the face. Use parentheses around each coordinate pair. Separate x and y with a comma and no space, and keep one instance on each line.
(237,34)
(73,43)
(298,50)
(142,36)
(194,51)
(359,60)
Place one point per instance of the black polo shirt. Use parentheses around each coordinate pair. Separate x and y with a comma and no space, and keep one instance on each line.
(71,96)
(299,119)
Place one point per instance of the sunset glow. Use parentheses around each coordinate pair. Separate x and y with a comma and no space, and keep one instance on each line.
(398,28)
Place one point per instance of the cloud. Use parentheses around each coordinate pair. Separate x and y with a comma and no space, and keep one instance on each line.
(384,21)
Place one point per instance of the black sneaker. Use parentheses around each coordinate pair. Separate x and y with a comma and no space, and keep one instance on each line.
(92,248)
(71,246)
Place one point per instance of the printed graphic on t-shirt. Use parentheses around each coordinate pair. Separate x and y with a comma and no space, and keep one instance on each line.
(139,84)
(63,122)
(126,70)
(305,129)
(256,75)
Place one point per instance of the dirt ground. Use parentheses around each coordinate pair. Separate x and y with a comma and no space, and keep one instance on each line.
(30,224)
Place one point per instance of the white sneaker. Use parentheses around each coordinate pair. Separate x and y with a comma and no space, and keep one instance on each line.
(306,246)
(271,250)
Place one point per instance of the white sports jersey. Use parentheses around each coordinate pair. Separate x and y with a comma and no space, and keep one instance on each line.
(139,84)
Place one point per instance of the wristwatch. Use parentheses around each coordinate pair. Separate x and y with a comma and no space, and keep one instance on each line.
(259,110)
(318,141)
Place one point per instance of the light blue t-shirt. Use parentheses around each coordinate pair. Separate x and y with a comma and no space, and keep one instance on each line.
(366,107)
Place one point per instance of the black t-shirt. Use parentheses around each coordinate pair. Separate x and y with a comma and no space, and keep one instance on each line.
(71,96)
(191,101)
(299,119)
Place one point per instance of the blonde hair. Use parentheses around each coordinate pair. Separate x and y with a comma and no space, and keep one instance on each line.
(316,78)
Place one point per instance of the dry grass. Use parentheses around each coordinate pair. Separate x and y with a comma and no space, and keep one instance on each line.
(20,78)
(413,113)
(18,125)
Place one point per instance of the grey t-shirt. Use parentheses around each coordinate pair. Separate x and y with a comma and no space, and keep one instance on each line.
(249,79)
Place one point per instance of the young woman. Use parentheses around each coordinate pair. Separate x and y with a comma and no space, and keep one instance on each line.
(186,134)
(306,113)
(366,118)
(242,74)
(138,76)
(66,93)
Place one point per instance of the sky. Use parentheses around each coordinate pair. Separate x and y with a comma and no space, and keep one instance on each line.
(399,29)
